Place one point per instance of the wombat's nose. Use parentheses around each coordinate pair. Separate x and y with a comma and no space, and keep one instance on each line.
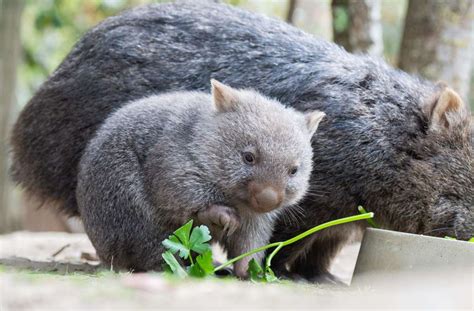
(265,198)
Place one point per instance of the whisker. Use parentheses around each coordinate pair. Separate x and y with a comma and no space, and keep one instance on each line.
(317,190)
(292,215)
(292,218)
(315,195)
(438,229)
(298,209)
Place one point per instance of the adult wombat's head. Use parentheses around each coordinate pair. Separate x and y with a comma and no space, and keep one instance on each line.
(434,188)
(449,150)
(263,154)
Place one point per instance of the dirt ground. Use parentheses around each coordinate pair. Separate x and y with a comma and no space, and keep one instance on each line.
(56,271)
(58,251)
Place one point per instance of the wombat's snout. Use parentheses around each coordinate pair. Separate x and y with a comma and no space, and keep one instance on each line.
(464,225)
(264,198)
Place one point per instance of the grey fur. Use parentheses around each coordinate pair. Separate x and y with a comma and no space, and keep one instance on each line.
(378,147)
(162,160)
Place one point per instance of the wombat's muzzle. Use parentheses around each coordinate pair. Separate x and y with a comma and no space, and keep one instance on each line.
(264,198)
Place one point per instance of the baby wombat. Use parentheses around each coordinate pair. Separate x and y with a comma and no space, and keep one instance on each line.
(231,161)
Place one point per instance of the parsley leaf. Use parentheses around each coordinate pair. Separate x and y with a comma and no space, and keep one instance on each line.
(174,245)
(255,271)
(199,238)
(270,275)
(173,264)
(184,241)
(258,274)
(179,241)
(203,266)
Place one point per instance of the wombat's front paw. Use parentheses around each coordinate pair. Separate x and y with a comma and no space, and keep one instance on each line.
(221,220)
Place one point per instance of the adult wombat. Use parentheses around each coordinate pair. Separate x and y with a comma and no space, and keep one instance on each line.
(398,145)
(233,163)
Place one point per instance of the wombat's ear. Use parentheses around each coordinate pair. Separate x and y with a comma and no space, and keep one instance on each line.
(312,120)
(446,109)
(224,97)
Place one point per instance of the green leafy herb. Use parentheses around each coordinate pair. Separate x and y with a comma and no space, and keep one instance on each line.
(187,240)
(184,241)
(175,246)
(258,274)
(203,266)
(199,239)
(173,265)
(255,271)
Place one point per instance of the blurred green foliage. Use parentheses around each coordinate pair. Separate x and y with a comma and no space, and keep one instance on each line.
(51,27)
(341,19)
(393,15)
(49,30)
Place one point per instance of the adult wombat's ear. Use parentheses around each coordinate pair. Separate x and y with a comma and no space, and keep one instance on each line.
(446,109)
(224,97)
(312,120)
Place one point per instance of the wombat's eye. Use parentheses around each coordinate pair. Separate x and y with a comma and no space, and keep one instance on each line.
(293,171)
(248,158)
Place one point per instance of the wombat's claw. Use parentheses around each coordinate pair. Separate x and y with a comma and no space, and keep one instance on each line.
(230,222)
(221,219)
(231,230)
(226,229)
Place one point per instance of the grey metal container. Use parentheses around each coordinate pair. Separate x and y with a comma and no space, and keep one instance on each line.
(390,252)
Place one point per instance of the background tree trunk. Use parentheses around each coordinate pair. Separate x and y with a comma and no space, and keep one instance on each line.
(10,17)
(437,41)
(357,26)
(291,11)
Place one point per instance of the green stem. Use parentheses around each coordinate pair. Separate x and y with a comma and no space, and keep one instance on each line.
(370,221)
(327,225)
(256,250)
(270,257)
(279,245)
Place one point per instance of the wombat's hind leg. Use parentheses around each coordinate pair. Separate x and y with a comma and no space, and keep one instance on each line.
(310,259)
(315,264)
